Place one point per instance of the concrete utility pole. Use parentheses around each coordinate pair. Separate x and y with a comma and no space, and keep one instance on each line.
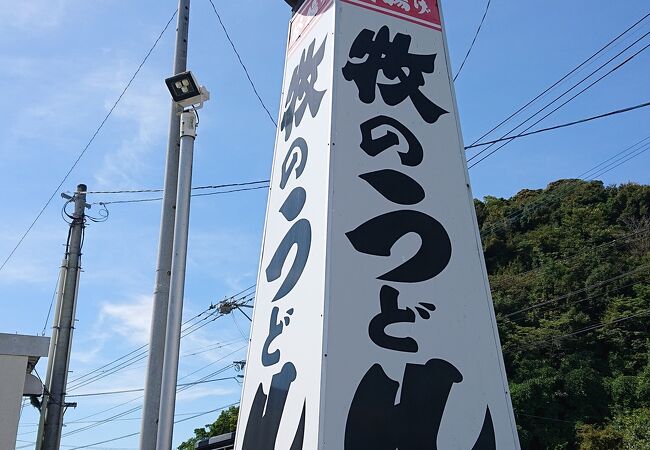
(177,286)
(151,408)
(55,405)
(53,338)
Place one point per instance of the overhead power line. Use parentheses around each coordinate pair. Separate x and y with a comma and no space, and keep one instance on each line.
(579,291)
(567,75)
(543,417)
(599,296)
(128,391)
(194,188)
(619,240)
(49,311)
(581,331)
(156,199)
(141,352)
(139,407)
(617,67)
(212,411)
(88,144)
(564,125)
(142,355)
(597,167)
(621,160)
(471,46)
(250,81)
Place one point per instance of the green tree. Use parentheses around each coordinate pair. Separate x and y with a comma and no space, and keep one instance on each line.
(225,423)
(579,365)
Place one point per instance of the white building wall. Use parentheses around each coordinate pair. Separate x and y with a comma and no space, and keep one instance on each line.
(12,381)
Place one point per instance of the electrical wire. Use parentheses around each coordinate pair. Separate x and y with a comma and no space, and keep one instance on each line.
(137,408)
(241,63)
(156,199)
(619,240)
(212,307)
(578,291)
(599,295)
(567,75)
(521,134)
(478,30)
(597,166)
(241,332)
(198,351)
(575,333)
(128,391)
(620,162)
(544,418)
(49,311)
(88,144)
(106,441)
(194,188)
(141,356)
(571,89)
(212,411)
(564,125)
(136,433)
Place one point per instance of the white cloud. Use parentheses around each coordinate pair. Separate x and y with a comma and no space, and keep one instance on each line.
(130,320)
(142,113)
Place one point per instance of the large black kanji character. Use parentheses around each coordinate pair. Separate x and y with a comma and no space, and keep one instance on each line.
(374,146)
(294,203)
(375,422)
(297,158)
(390,314)
(395,186)
(275,329)
(301,89)
(395,61)
(378,235)
(266,413)
(299,235)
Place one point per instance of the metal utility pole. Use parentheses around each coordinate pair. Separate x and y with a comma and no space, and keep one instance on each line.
(55,405)
(151,408)
(177,285)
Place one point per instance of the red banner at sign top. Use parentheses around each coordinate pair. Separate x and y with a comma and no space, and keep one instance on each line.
(422,12)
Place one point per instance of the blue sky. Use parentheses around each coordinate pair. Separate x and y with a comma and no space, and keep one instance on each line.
(64,62)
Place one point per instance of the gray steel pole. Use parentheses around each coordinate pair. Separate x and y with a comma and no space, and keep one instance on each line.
(151,407)
(56,398)
(177,285)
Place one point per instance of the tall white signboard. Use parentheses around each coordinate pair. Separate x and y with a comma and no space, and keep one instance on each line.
(373,326)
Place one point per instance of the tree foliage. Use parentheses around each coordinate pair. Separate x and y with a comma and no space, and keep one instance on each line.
(225,423)
(578,365)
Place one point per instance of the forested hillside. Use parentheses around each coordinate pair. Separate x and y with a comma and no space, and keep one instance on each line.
(569,267)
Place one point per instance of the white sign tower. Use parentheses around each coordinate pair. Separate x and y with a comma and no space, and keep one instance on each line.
(373,326)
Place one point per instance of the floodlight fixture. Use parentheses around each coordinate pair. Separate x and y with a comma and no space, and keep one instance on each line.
(295,4)
(186,91)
